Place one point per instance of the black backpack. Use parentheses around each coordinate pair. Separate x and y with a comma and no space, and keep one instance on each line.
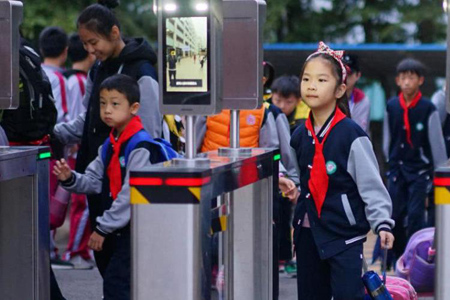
(36,115)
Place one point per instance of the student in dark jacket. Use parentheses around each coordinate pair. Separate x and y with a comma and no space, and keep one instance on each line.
(100,33)
(413,145)
(108,175)
(342,195)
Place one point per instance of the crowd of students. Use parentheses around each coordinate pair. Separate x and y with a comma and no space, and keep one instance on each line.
(331,192)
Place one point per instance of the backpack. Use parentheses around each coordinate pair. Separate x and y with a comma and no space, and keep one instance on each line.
(417,262)
(36,115)
(160,149)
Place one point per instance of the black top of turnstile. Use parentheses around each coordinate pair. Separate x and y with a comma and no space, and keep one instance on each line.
(171,183)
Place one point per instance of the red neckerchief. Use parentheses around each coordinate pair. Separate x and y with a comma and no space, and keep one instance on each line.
(114,171)
(318,177)
(405,114)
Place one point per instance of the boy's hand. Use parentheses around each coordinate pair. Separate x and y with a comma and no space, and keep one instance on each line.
(386,239)
(62,170)
(96,241)
(288,188)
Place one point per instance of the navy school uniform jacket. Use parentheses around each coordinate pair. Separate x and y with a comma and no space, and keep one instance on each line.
(116,214)
(428,149)
(356,200)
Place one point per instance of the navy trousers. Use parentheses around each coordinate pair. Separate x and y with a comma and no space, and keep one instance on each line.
(338,277)
(408,203)
(114,264)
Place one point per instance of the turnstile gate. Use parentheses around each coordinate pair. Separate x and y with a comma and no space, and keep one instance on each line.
(171,227)
(24,223)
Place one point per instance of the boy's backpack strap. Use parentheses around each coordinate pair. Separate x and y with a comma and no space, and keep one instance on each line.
(160,149)
(141,136)
(105,149)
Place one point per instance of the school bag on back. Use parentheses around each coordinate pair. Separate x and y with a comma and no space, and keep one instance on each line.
(36,115)
(160,149)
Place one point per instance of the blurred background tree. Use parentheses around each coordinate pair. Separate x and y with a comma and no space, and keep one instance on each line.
(355,21)
(339,21)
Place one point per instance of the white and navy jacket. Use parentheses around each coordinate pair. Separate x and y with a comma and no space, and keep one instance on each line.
(428,149)
(356,200)
(116,214)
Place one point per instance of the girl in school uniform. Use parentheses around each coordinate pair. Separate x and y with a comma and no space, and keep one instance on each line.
(342,195)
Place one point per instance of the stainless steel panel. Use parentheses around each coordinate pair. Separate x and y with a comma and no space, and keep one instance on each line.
(42,230)
(18,243)
(10,19)
(166,247)
(24,225)
(442,272)
(243,53)
(252,241)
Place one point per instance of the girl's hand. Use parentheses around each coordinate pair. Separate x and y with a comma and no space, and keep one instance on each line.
(288,188)
(62,170)
(386,239)
(96,241)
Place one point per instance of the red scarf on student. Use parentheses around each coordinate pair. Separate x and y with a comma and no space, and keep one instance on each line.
(405,114)
(318,177)
(114,171)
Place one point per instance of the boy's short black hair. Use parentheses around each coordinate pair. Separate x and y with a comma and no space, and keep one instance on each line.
(76,49)
(52,41)
(125,85)
(411,65)
(351,61)
(286,86)
(269,73)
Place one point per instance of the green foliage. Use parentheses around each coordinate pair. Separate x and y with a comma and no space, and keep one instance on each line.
(380,21)
(136,17)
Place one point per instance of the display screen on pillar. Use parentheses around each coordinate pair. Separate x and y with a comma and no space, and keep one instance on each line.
(186,60)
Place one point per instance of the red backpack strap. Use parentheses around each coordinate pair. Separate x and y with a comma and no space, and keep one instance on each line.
(62,85)
(81,77)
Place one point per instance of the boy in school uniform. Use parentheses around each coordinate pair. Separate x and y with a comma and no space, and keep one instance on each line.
(286,96)
(53,45)
(108,175)
(413,145)
(358,102)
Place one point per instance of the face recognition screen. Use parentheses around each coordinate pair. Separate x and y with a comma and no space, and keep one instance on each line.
(186,54)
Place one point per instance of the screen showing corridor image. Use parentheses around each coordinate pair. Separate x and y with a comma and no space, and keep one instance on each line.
(186,54)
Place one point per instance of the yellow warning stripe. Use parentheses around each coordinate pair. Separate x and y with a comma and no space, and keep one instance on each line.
(441,196)
(223,224)
(136,197)
(196,191)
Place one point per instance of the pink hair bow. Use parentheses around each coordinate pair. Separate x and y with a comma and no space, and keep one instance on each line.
(336,54)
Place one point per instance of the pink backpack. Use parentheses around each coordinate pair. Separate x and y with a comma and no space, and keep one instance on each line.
(400,289)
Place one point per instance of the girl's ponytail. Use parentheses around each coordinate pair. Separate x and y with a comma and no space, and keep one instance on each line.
(342,104)
(109,3)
